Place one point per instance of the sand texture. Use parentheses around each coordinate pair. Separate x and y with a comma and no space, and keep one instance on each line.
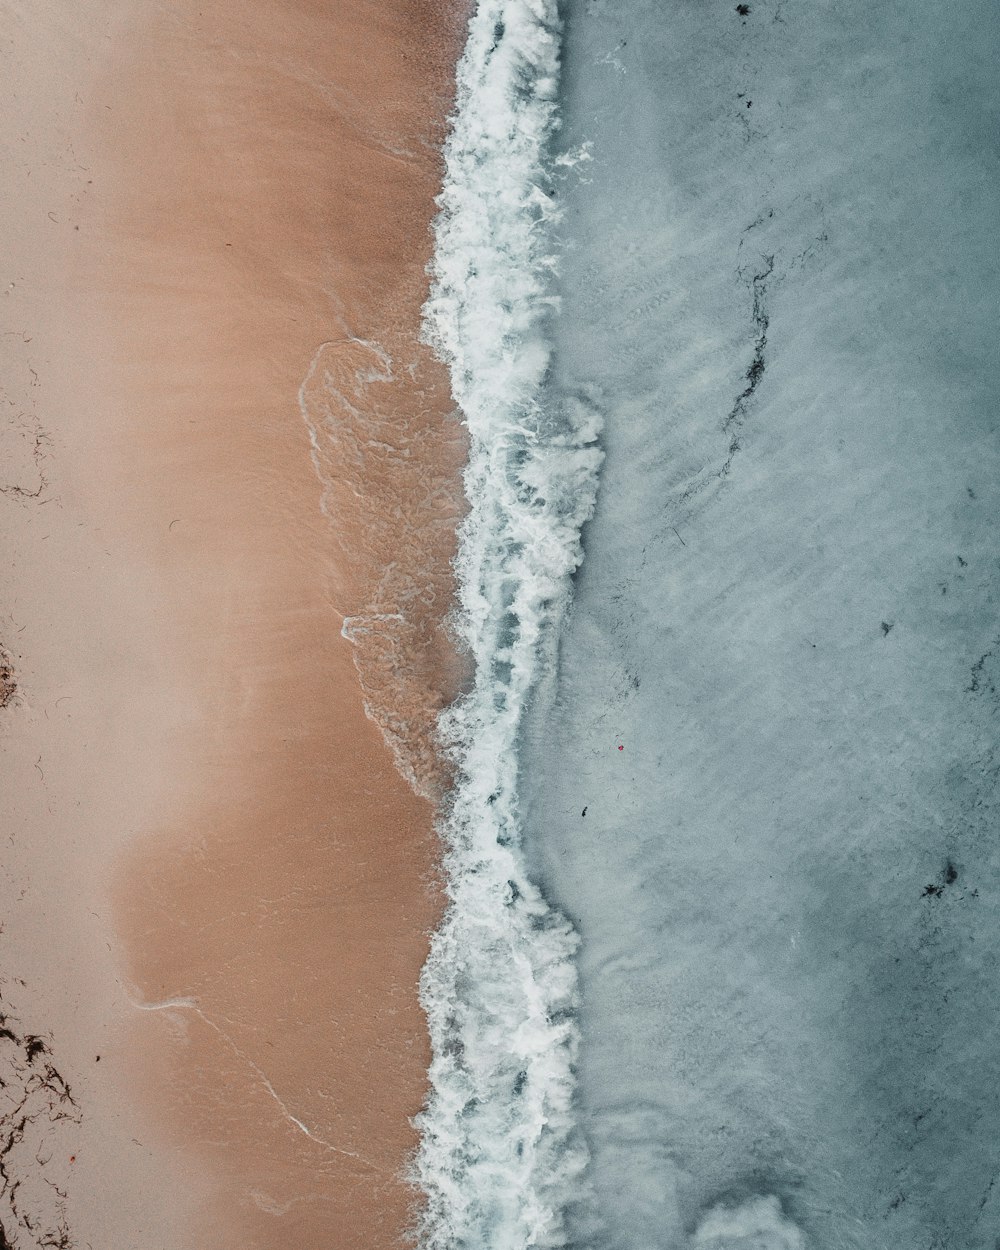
(222,442)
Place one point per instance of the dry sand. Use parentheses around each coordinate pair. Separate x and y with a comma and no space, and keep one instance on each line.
(217,879)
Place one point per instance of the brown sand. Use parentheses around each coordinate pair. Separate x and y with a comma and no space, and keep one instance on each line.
(252,186)
(93,704)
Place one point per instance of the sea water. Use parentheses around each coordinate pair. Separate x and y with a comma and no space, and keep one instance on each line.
(720,968)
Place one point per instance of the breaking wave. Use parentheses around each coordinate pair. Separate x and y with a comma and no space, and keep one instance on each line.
(500,1155)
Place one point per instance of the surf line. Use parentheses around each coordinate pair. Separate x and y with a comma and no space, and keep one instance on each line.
(500,1155)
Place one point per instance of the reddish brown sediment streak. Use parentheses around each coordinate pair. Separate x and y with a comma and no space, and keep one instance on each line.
(268,241)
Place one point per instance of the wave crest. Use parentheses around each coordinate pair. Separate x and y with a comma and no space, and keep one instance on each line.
(500,1155)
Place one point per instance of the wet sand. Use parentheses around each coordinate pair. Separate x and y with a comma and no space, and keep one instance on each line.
(253,207)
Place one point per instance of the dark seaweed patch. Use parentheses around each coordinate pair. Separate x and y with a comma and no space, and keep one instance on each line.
(33,1047)
(8,682)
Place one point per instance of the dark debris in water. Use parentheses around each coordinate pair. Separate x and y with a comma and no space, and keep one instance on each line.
(948,876)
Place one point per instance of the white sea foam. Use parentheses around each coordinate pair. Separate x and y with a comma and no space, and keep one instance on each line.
(500,1156)
(754,1225)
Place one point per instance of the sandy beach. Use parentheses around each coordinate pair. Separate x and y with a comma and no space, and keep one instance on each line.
(221,441)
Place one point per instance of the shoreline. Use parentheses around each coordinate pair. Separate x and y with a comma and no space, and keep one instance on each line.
(252,812)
